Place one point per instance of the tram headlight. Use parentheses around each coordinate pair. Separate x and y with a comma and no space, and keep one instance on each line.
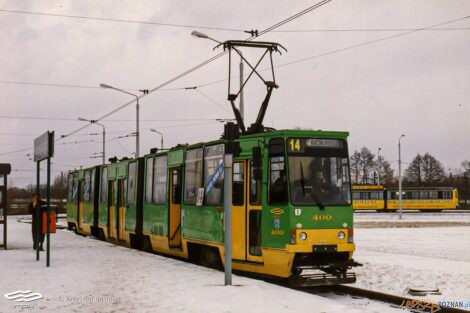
(303,236)
(341,235)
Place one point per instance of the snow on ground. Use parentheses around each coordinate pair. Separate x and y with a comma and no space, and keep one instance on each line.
(88,275)
(413,216)
(396,259)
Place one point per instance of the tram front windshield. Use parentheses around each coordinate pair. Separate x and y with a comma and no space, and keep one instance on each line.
(318,172)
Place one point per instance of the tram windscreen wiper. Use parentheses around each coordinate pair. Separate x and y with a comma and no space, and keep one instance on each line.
(317,200)
(302,180)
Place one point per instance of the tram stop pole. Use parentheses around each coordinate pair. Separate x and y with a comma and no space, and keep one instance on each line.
(5,170)
(38,208)
(48,222)
(43,149)
(228,217)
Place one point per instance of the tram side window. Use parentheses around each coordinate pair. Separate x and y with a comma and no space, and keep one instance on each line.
(238,184)
(356,195)
(159,180)
(255,232)
(433,195)
(131,183)
(75,188)
(278,175)
(92,185)
(374,195)
(213,174)
(86,190)
(192,175)
(69,187)
(255,188)
(447,194)
(148,180)
(424,195)
(104,184)
(176,186)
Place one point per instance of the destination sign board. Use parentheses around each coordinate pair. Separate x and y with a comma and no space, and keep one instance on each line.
(44,146)
(300,144)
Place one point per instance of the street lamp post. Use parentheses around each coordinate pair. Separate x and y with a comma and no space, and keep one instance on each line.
(104,135)
(161,142)
(378,166)
(242,102)
(400,198)
(137,133)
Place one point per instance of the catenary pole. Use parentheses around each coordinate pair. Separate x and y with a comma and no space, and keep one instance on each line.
(228,217)
(400,197)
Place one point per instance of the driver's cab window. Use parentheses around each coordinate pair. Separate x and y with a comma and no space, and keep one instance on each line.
(319,172)
(277,172)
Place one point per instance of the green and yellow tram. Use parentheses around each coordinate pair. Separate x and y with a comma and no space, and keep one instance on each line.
(291,204)
(292,214)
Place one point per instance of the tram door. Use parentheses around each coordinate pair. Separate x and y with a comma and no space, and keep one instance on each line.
(174,229)
(246,213)
(80,205)
(120,216)
(111,211)
(239,211)
(253,216)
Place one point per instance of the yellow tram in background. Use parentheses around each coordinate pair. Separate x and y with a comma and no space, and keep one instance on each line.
(379,198)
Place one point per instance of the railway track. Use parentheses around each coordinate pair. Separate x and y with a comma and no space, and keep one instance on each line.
(399,302)
(414,212)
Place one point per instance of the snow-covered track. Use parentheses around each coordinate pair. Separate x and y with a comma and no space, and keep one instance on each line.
(398,301)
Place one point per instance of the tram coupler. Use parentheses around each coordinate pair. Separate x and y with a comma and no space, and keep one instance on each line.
(323,274)
(321,279)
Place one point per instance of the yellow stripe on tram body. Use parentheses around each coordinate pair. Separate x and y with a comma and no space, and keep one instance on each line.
(85,229)
(161,244)
(321,237)
(423,204)
(368,204)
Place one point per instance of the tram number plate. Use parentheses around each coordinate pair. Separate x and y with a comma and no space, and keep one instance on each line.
(325,248)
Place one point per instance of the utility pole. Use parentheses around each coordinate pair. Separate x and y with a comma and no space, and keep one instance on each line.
(378,166)
(399,177)
(137,132)
(104,136)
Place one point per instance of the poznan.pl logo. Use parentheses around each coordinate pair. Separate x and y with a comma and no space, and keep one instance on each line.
(23,296)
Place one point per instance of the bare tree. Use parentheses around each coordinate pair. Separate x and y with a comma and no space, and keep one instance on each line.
(354,163)
(362,166)
(414,172)
(434,172)
(385,171)
(466,165)
(425,170)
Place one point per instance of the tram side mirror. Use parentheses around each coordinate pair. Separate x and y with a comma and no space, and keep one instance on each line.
(257,157)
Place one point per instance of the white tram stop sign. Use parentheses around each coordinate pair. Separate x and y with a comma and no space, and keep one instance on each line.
(44,146)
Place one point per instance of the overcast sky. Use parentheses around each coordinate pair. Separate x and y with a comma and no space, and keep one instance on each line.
(416,84)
